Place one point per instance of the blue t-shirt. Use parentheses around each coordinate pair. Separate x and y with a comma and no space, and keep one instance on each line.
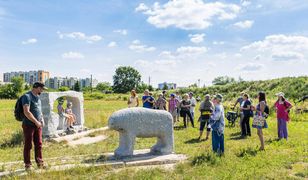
(35,107)
(147,104)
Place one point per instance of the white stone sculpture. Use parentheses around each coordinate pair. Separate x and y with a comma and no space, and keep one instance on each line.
(55,124)
(144,123)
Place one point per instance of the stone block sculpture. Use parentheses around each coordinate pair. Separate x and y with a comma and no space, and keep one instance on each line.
(53,123)
(143,123)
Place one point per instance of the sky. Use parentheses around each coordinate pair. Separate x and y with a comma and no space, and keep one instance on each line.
(178,41)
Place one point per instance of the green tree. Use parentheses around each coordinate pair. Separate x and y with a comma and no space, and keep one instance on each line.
(76,86)
(165,87)
(64,88)
(223,80)
(104,86)
(142,87)
(125,79)
(18,85)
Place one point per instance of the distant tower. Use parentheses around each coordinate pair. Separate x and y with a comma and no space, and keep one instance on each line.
(149,80)
(198,82)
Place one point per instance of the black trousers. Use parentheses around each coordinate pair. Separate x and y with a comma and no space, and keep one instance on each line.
(185,114)
(245,126)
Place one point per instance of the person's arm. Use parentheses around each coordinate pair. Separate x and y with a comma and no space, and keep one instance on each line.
(289,106)
(137,99)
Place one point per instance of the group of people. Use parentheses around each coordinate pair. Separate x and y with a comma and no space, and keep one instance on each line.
(177,106)
(211,118)
(212,113)
(281,106)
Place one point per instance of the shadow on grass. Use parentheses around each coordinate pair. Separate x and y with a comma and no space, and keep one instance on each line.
(16,140)
(178,128)
(193,141)
(208,158)
(101,158)
(247,152)
(238,138)
(270,141)
(235,134)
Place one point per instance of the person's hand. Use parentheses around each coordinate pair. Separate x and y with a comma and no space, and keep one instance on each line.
(241,108)
(38,124)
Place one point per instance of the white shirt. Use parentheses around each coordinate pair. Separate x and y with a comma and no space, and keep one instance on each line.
(193,104)
(133,101)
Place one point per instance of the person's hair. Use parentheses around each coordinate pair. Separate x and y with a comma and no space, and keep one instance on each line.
(134,93)
(262,96)
(246,95)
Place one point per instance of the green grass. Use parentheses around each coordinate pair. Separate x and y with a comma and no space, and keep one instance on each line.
(242,160)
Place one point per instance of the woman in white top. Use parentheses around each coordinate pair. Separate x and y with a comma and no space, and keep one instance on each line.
(133,99)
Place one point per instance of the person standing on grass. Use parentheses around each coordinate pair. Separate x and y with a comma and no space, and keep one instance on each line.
(282,111)
(206,108)
(178,109)
(160,102)
(246,109)
(32,125)
(133,100)
(239,101)
(173,104)
(147,100)
(260,110)
(193,104)
(185,110)
(217,124)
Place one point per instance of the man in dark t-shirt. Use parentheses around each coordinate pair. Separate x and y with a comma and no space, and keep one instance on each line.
(32,125)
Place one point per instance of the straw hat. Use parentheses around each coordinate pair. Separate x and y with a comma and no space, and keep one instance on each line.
(280,94)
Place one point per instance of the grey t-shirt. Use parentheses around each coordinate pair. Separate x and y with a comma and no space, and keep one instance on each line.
(35,107)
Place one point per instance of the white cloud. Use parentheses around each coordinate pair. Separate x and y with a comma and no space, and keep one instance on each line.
(196,38)
(29,41)
(112,44)
(257,58)
(250,67)
(138,47)
(245,3)
(218,42)
(238,55)
(121,31)
(244,24)
(85,70)
(280,47)
(72,55)
(188,14)
(79,36)
(189,50)
(286,56)
(142,7)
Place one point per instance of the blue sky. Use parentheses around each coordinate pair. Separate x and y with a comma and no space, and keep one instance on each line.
(177,41)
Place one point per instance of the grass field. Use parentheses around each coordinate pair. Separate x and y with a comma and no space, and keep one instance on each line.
(242,160)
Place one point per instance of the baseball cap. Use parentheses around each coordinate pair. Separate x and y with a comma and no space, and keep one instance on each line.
(39,84)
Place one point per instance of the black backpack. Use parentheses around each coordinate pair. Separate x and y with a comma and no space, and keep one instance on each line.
(267,110)
(18,111)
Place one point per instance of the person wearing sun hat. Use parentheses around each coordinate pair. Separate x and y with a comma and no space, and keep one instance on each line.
(282,112)
(217,124)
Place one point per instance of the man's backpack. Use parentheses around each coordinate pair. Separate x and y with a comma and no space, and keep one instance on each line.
(18,111)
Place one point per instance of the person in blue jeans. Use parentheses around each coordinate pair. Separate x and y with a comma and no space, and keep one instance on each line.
(217,124)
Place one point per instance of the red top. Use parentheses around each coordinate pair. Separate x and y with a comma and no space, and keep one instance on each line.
(281,110)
